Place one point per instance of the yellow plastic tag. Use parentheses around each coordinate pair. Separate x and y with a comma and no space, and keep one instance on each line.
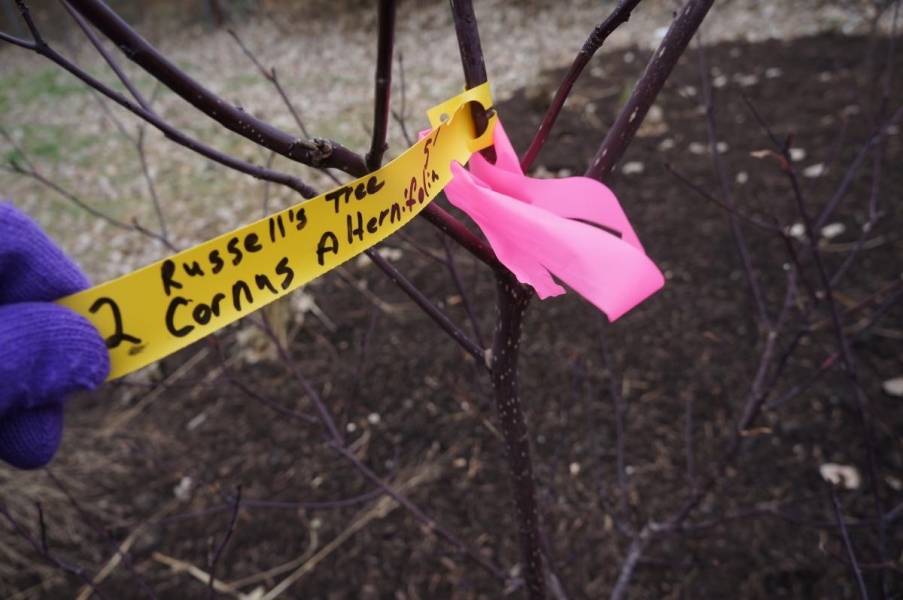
(159,309)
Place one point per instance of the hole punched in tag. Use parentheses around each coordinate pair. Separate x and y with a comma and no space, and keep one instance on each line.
(481,117)
(483,140)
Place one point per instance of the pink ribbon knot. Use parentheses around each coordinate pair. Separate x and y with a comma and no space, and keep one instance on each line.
(572,228)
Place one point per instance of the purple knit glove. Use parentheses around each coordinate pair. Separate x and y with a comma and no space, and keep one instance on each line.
(46,351)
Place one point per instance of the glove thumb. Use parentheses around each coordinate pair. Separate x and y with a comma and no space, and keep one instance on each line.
(29,438)
(47,352)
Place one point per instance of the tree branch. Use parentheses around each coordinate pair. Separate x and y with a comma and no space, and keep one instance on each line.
(42,550)
(427,306)
(211,593)
(619,16)
(381,113)
(319,152)
(647,88)
(512,304)
(472,60)
(41,47)
(709,106)
(848,545)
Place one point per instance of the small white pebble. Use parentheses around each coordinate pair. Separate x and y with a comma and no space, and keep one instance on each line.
(196,422)
(746,80)
(722,147)
(182,491)
(633,167)
(813,171)
(742,177)
(797,231)
(351,427)
(843,475)
(797,154)
(720,81)
(832,230)
(697,148)
(893,387)
(574,468)
(541,172)
(666,144)
(373,418)
(459,463)
(655,114)
(773,72)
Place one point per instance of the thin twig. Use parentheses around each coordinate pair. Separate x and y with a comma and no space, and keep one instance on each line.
(418,514)
(427,306)
(843,344)
(601,492)
(647,88)
(450,226)
(620,415)
(637,546)
(710,198)
(41,47)
(139,141)
(400,115)
(211,593)
(273,79)
(29,170)
(452,267)
(43,551)
(619,16)
(108,58)
(743,249)
(851,554)
(101,531)
(688,442)
(318,153)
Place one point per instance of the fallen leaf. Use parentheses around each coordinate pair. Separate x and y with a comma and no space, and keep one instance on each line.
(893,387)
(832,230)
(633,167)
(813,171)
(842,475)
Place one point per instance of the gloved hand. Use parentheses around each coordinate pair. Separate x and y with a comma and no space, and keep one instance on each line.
(46,351)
